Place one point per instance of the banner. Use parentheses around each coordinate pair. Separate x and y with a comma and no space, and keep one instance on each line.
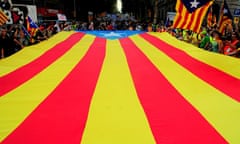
(62,17)
(144,88)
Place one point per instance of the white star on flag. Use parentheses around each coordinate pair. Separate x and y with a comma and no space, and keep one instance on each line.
(194,4)
(112,34)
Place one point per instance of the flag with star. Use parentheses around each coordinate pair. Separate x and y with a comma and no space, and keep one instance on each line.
(190,14)
(210,17)
(118,88)
(32,28)
(225,17)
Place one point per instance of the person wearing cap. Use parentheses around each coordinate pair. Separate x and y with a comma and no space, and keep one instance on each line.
(204,43)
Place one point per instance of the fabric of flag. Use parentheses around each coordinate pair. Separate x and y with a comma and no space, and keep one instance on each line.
(32,28)
(26,34)
(225,17)
(3,17)
(190,14)
(147,88)
(210,17)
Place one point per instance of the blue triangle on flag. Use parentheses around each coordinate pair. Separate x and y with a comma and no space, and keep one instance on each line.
(192,5)
(113,34)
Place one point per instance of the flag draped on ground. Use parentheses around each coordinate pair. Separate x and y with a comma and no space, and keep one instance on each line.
(190,14)
(145,88)
(225,17)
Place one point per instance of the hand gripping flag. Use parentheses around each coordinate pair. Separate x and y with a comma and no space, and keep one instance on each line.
(147,88)
(190,14)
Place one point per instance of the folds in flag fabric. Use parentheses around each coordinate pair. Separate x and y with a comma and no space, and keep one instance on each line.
(225,17)
(3,18)
(145,88)
(190,14)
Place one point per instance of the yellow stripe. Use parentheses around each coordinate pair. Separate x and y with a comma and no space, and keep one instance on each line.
(224,63)
(188,20)
(18,104)
(184,12)
(3,16)
(30,53)
(193,20)
(116,116)
(177,14)
(222,112)
(202,15)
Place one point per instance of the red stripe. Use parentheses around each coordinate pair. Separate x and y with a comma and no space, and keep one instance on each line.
(210,18)
(200,18)
(172,119)
(179,18)
(218,79)
(21,75)
(184,19)
(61,118)
(3,16)
(225,20)
(190,23)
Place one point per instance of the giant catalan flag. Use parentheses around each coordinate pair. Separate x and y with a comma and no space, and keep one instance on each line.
(190,14)
(97,88)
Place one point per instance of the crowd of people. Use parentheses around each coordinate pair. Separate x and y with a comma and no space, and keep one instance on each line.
(14,38)
(210,39)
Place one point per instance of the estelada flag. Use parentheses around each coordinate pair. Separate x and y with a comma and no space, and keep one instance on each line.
(190,14)
(111,88)
(3,17)
(32,27)
(225,17)
(210,17)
